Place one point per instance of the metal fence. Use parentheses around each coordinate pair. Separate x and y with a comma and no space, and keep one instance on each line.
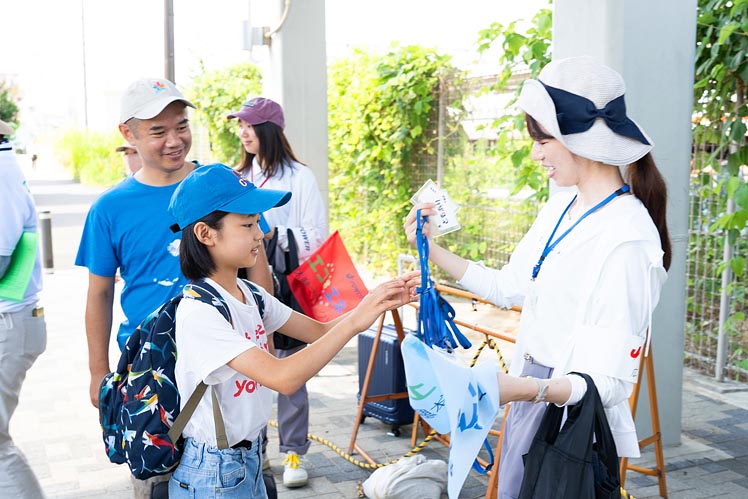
(493,221)
(716,300)
(711,309)
(717,304)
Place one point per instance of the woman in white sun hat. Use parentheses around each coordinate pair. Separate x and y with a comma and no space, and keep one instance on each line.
(589,271)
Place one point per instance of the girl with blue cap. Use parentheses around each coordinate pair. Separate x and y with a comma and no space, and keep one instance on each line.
(218,212)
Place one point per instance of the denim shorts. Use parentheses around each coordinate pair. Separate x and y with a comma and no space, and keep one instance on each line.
(207,472)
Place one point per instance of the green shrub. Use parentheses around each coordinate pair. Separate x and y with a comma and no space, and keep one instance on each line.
(526,51)
(8,106)
(382,121)
(91,156)
(216,94)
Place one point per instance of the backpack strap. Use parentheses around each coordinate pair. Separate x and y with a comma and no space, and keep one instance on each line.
(186,413)
(257,295)
(221,439)
(204,292)
(189,408)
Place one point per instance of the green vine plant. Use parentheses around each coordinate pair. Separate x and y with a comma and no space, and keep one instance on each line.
(216,94)
(8,105)
(382,127)
(521,53)
(719,214)
(720,110)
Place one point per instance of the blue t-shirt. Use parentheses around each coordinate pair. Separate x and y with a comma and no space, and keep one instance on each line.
(127,228)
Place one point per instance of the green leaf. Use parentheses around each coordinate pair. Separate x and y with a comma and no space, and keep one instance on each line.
(706,18)
(737,264)
(741,196)
(725,33)
(731,186)
(737,131)
(732,236)
(740,219)
(733,164)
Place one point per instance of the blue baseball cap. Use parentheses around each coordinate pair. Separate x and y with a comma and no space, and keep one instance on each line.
(217,187)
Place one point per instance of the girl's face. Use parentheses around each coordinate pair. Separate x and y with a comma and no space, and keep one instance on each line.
(248,137)
(561,164)
(238,241)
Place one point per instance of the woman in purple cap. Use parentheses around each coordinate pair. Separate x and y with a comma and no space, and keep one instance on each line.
(297,229)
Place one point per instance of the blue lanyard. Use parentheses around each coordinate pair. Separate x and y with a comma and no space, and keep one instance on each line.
(549,247)
(436,324)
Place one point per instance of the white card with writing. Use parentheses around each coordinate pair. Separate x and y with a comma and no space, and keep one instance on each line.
(446,208)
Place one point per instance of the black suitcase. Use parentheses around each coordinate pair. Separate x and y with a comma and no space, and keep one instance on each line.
(387,377)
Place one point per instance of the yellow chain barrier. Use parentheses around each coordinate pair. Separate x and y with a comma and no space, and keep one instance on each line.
(361,464)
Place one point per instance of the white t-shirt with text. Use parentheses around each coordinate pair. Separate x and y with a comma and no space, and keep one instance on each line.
(206,342)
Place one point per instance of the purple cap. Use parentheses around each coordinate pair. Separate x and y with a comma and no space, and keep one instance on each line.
(260,110)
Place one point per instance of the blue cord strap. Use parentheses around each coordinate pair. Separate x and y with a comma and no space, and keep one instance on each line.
(550,244)
(477,466)
(436,325)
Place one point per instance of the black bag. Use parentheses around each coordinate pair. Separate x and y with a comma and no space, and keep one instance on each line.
(283,263)
(566,464)
(270,486)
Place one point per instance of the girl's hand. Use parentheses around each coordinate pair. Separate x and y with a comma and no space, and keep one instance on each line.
(412,281)
(410,225)
(387,296)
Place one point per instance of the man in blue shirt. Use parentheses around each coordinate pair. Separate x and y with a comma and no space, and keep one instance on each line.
(127,228)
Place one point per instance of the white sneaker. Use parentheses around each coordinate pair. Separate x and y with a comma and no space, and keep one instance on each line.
(294,473)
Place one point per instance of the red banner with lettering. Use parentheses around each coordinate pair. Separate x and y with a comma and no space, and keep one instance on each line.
(327,284)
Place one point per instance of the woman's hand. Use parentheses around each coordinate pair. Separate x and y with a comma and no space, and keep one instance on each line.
(387,296)
(410,225)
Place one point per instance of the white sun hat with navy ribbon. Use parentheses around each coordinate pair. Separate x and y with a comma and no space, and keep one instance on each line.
(580,102)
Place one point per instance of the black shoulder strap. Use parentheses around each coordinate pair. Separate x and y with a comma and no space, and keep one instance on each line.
(292,257)
(257,295)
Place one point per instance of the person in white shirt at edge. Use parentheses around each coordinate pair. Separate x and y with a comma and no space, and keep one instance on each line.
(589,271)
(269,162)
(23,330)
(217,211)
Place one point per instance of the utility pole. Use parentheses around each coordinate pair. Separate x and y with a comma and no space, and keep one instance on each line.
(169,40)
(85,75)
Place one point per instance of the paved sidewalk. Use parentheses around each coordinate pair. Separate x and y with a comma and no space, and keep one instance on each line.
(57,428)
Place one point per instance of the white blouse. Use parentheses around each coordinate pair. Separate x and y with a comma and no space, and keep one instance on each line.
(304,214)
(590,307)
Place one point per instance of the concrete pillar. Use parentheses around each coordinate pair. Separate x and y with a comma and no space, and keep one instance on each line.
(298,80)
(651,43)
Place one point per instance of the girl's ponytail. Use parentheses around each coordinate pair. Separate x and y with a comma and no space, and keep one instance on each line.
(649,186)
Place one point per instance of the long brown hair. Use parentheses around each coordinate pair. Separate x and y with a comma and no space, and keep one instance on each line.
(649,186)
(275,151)
(646,183)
